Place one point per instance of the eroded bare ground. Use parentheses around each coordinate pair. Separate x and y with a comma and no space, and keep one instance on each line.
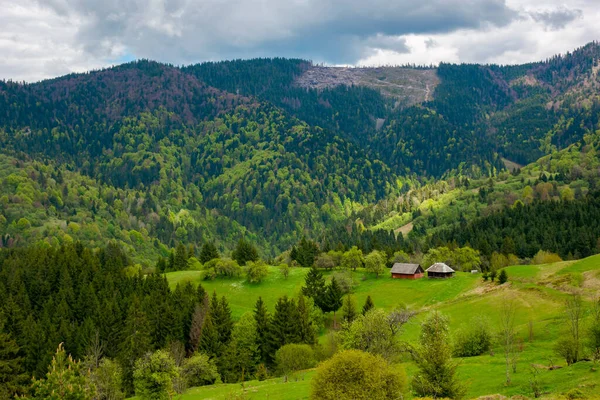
(408,86)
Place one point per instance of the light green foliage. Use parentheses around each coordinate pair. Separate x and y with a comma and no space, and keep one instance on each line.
(154,375)
(224,267)
(65,380)
(242,353)
(473,339)
(199,370)
(400,257)
(593,333)
(375,262)
(463,258)
(356,375)
(345,280)
(284,270)
(294,357)
(437,371)
(352,259)
(349,312)
(108,380)
(375,332)
(325,261)
(545,257)
(256,272)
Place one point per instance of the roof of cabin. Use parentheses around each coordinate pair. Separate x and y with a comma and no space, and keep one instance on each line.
(405,269)
(440,268)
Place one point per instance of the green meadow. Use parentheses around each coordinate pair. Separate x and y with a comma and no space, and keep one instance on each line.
(538,291)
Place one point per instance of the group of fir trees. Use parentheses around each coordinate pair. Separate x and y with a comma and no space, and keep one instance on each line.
(328,297)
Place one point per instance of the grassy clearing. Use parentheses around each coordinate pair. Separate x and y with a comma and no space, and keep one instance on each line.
(539,306)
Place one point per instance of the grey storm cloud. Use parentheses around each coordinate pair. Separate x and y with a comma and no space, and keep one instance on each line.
(556,19)
(333,31)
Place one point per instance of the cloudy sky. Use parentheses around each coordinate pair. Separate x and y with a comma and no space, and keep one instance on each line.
(47,38)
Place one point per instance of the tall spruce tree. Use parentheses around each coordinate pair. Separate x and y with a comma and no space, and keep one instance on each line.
(333,297)
(314,287)
(244,252)
(12,375)
(136,341)
(284,324)
(349,313)
(263,321)
(208,252)
(180,261)
(306,329)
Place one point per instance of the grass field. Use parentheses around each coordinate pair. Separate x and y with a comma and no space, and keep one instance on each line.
(538,290)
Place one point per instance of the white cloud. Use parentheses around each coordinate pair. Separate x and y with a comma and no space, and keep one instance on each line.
(47,38)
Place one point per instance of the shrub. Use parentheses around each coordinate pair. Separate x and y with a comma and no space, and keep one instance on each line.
(344,280)
(261,372)
(545,257)
(502,277)
(294,357)
(474,340)
(154,374)
(224,267)
(256,271)
(356,375)
(199,370)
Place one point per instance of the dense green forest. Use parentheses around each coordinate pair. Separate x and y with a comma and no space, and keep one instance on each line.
(152,155)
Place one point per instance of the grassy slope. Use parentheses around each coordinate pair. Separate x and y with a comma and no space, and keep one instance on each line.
(539,299)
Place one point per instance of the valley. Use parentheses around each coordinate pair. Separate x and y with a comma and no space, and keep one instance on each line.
(225,230)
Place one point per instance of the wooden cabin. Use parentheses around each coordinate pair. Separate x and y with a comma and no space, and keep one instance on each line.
(407,271)
(440,270)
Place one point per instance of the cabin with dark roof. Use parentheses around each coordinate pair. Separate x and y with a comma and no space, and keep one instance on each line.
(440,270)
(407,271)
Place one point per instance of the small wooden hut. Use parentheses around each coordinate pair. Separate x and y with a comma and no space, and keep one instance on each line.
(407,271)
(440,270)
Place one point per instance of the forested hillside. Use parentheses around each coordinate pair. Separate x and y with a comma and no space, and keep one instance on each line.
(153,155)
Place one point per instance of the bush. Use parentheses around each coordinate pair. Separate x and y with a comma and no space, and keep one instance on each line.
(224,267)
(344,280)
(502,277)
(256,271)
(199,370)
(261,373)
(154,375)
(356,375)
(474,340)
(294,357)
(545,257)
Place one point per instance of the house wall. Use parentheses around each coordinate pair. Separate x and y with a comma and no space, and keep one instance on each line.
(404,276)
(439,275)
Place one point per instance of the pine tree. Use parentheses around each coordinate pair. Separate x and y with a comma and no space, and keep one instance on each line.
(437,371)
(314,287)
(244,252)
(333,297)
(208,252)
(135,343)
(66,379)
(306,330)
(284,324)
(349,313)
(368,305)
(209,341)
(502,277)
(180,261)
(12,376)
(262,318)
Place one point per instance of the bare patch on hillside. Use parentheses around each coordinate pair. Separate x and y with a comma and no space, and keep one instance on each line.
(405,230)
(408,86)
(511,165)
